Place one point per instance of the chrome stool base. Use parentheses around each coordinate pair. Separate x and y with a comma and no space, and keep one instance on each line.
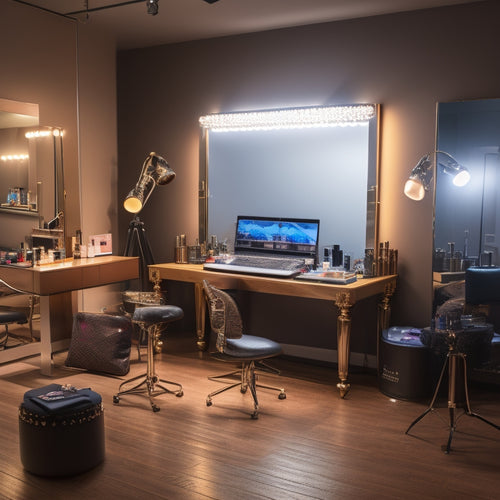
(150,384)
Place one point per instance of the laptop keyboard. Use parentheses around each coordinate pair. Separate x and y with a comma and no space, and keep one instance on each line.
(264,266)
(267,262)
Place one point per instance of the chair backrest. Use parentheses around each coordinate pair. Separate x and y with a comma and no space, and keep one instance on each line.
(6,289)
(482,293)
(225,318)
(482,285)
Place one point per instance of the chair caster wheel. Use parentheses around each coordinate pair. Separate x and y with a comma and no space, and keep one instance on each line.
(254,415)
(209,402)
(155,408)
(243,390)
(116,399)
(282,395)
(179,394)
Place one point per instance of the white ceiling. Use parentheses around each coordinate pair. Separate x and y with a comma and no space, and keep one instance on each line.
(184,20)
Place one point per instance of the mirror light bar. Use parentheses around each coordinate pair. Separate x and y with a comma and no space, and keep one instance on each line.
(14,157)
(324,116)
(34,134)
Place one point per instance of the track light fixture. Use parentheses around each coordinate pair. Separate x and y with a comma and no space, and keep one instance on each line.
(152,6)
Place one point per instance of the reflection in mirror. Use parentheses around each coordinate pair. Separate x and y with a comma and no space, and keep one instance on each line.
(31,173)
(313,163)
(467,220)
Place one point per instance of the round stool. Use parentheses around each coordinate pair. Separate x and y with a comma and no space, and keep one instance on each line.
(150,319)
(61,430)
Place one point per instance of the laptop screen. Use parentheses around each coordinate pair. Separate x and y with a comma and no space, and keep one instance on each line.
(277,236)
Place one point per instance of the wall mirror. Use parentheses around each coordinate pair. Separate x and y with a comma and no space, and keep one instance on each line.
(315,163)
(467,219)
(31,171)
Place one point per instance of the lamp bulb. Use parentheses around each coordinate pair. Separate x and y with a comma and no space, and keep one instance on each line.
(132,205)
(414,190)
(462,178)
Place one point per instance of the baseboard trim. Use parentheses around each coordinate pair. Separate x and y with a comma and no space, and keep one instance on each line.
(328,355)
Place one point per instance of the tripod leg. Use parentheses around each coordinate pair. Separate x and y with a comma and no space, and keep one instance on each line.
(434,397)
(468,409)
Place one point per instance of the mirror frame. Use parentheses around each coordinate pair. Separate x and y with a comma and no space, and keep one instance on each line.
(17,114)
(313,116)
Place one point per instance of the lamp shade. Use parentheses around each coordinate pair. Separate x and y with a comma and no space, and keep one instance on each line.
(155,171)
(414,189)
(422,174)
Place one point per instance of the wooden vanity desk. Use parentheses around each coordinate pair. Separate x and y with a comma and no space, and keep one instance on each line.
(343,296)
(54,284)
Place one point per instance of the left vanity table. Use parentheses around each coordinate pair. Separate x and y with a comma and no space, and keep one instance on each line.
(54,284)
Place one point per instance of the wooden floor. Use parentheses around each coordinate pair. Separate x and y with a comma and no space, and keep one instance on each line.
(310,445)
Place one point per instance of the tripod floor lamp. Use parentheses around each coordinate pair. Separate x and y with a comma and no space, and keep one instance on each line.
(155,171)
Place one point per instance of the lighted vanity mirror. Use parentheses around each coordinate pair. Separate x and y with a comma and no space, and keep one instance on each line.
(31,171)
(310,163)
(467,219)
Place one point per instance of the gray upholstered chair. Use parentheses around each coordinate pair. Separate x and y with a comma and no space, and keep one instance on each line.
(233,346)
(16,306)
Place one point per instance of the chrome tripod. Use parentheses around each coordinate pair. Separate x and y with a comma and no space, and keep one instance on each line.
(452,359)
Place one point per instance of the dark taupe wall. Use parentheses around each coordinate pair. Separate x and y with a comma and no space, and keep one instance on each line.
(69,69)
(406,62)
(39,65)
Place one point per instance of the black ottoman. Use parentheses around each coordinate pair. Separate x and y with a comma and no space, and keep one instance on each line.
(404,364)
(61,430)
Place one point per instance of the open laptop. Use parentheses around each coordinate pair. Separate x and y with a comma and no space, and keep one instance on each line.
(271,246)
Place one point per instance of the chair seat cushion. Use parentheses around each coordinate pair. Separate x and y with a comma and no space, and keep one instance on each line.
(249,347)
(152,315)
(12,317)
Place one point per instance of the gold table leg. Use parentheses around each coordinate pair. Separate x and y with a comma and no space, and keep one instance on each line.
(200,308)
(384,316)
(344,304)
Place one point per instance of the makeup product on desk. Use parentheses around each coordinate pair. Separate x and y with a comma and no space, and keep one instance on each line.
(369,263)
(181,256)
(337,256)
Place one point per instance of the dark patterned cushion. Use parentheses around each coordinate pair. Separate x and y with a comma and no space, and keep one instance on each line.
(100,343)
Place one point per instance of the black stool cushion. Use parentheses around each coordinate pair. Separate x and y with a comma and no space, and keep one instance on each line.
(12,317)
(61,432)
(152,315)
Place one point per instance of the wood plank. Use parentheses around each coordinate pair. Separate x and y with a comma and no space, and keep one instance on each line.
(310,445)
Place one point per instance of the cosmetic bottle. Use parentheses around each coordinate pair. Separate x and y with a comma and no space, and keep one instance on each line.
(337,256)
(326,259)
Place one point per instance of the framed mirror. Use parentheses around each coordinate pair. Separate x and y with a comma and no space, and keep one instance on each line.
(467,219)
(314,163)
(31,171)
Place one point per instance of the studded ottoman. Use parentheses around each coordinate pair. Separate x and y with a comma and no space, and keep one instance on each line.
(61,430)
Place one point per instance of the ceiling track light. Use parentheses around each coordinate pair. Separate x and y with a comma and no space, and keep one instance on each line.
(152,6)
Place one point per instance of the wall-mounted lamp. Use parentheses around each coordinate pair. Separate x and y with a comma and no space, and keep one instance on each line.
(422,174)
(155,171)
